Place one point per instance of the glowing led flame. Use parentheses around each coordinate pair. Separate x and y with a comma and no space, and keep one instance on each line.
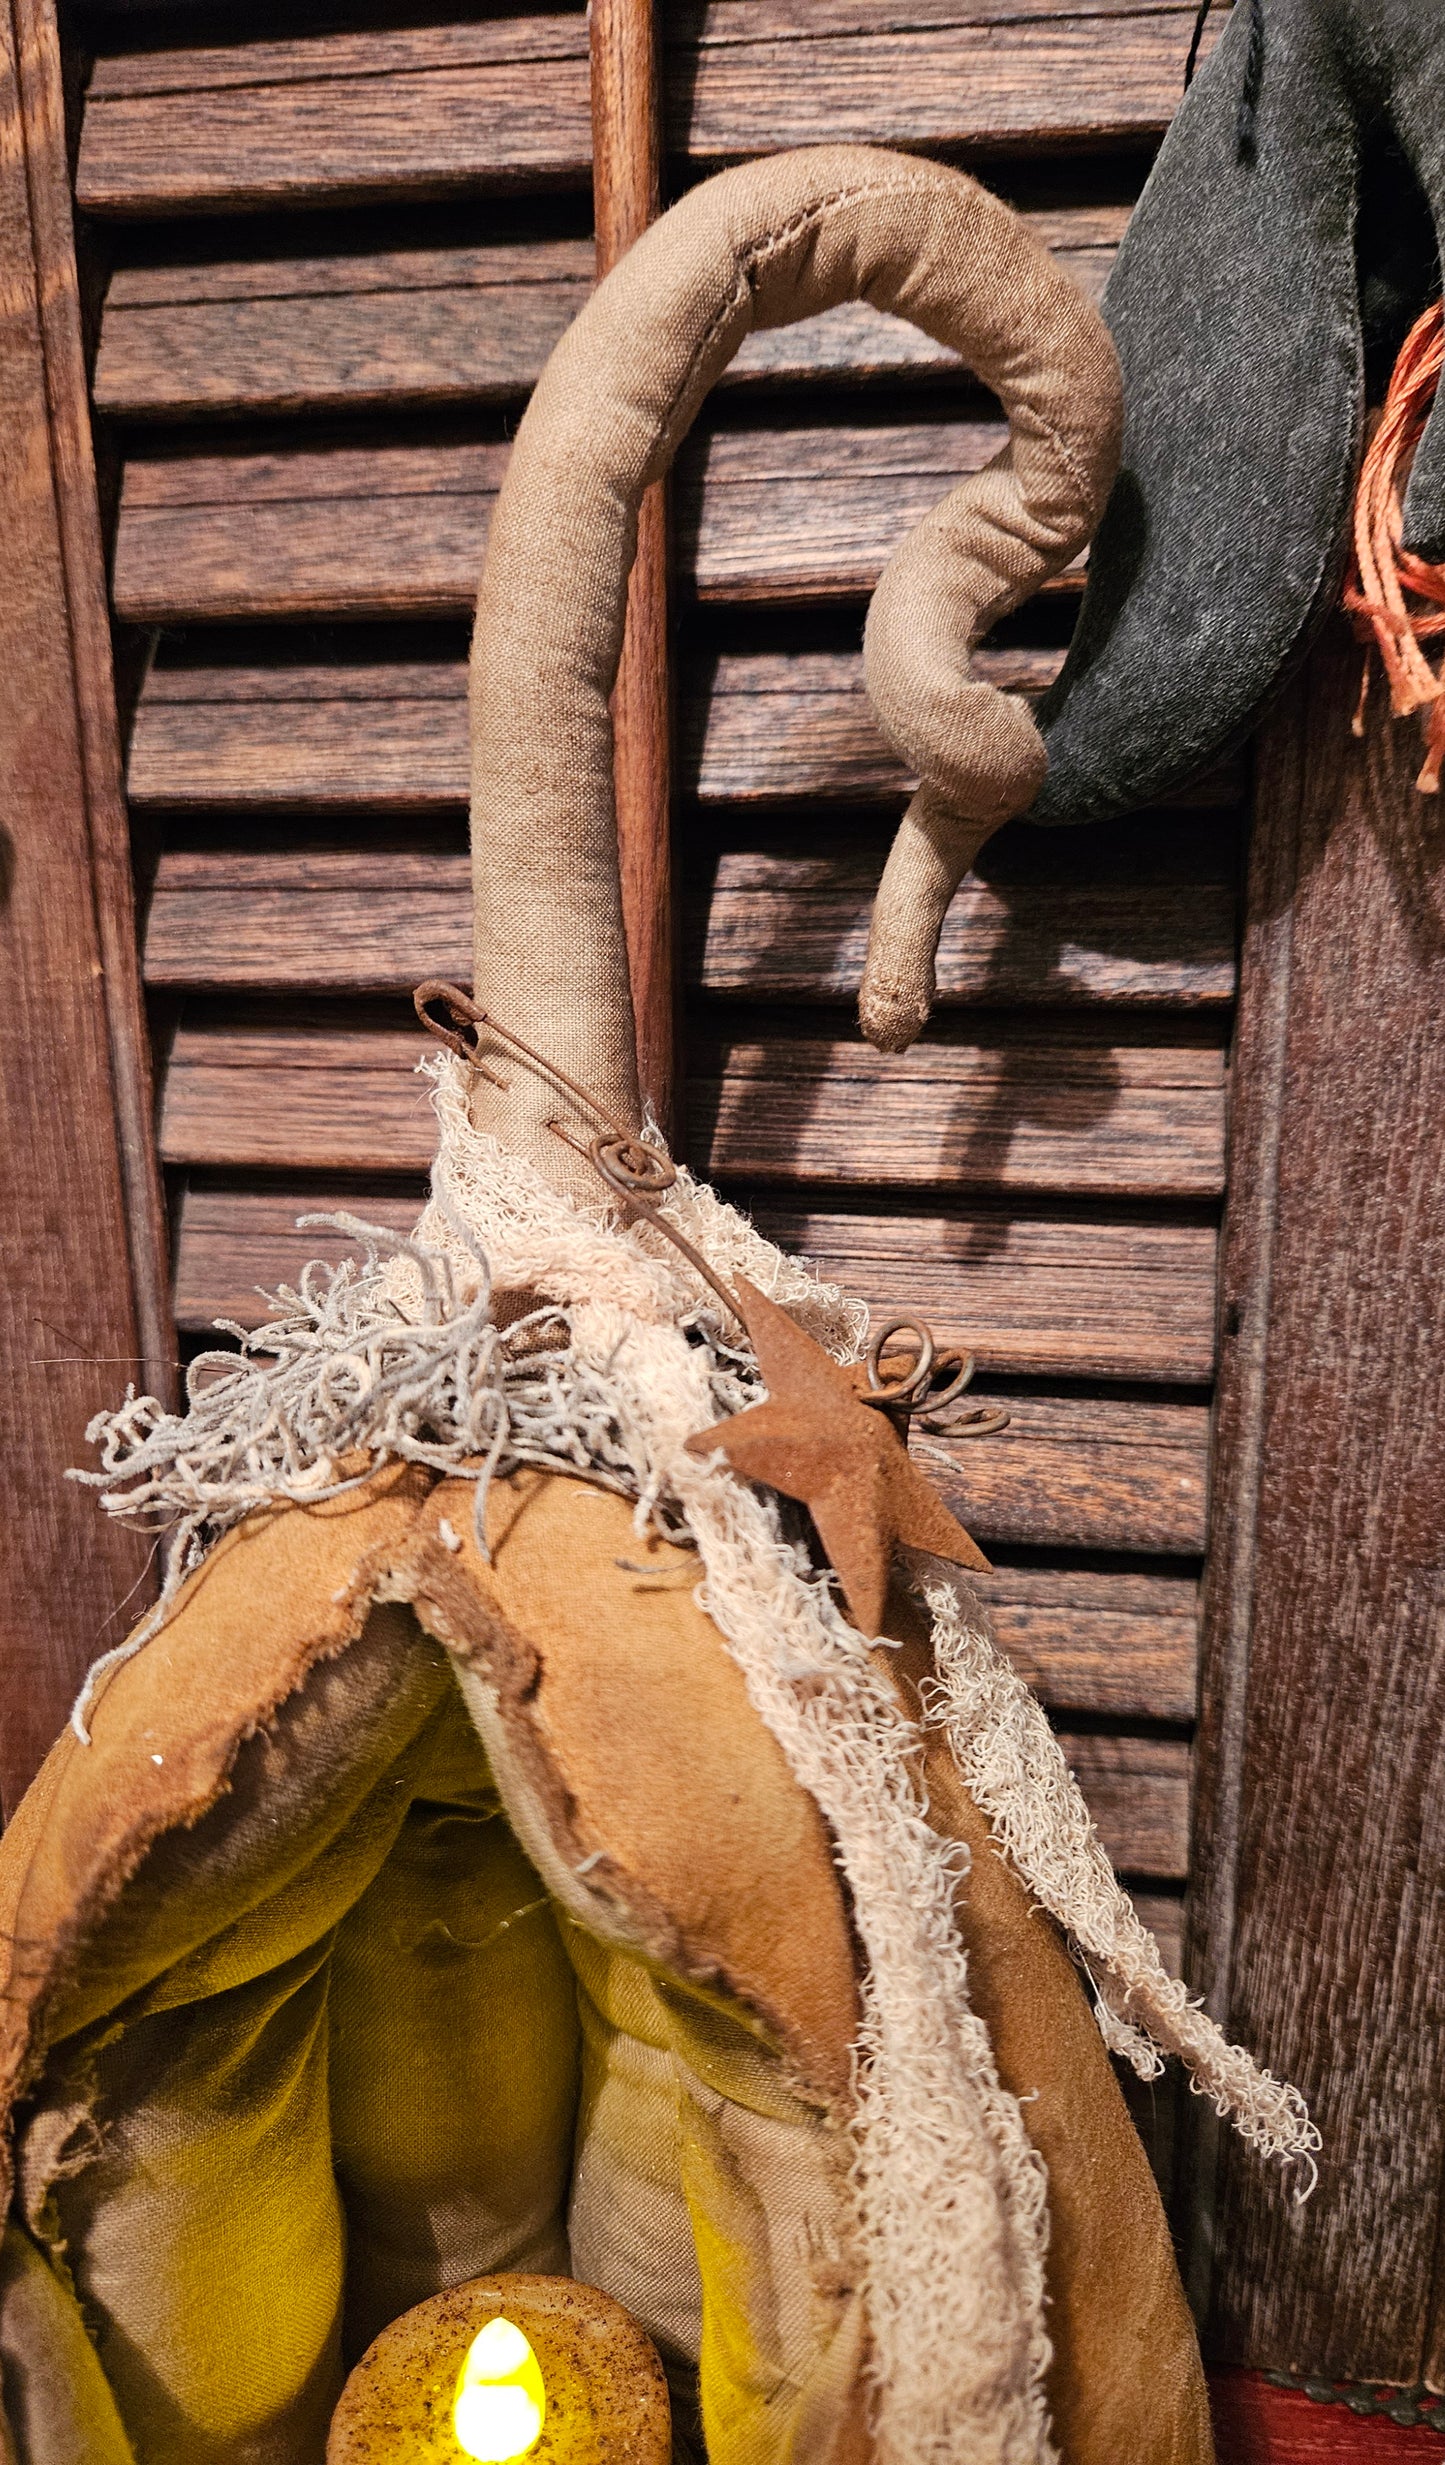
(500,2401)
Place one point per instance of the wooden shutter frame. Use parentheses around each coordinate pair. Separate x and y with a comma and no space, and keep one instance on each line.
(84,1288)
(1317,1910)
(626,80)
(86,1308)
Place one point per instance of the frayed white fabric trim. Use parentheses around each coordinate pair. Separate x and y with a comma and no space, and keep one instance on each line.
(1014,1768)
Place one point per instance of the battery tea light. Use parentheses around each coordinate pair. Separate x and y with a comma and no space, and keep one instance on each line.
(506,2367)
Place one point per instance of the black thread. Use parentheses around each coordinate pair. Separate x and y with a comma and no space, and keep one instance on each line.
(1246,126)
(1246,123)
(1200,21)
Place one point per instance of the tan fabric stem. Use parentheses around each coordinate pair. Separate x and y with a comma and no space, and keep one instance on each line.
(760,246)
(986,547)
(928,859)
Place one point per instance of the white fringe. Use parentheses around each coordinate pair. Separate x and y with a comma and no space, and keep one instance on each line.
(1014,1769)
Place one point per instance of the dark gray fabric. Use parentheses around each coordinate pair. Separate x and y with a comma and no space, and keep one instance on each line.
(1236,304)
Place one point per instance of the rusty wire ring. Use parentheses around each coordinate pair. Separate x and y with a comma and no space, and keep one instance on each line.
(633,1167)
(983,1421)
(950,1394)
(908,1389)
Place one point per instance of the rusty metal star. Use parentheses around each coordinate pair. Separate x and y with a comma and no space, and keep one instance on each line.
(818,1442)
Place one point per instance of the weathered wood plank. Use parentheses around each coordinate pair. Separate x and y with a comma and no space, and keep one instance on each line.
(1040,1296)
(223,130)
(996,1104)
(1045,1295)
(1025,80)
(192,273)
(1131,1475)
(1138,1794)
(762,727)
(507,40)
(789,922)
(399,529)
(1163,1914)
(1321,1912)
(82,1301)
(231,1241)
(428,111)
(1085,1641)
(405,327)
(390,737)
(626,54)
(299,351)
(379,920)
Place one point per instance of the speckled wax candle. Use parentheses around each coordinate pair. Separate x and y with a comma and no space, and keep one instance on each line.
(578,2385)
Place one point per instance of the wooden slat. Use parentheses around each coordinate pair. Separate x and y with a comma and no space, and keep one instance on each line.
(997,73)
(329,58)
(485,274)
(995,1104)
(400,327)
(626,56)
(789,922)
(399,529)
(432,110)
(1038,1294)
(985,1105)
(1096,1642)
(1138,1794)
(1045,1297)
(768,727)
(761,926)
(230,1241)
(483,336)
(1095,1473)
(417,111)
(1163,1914)
(390,737)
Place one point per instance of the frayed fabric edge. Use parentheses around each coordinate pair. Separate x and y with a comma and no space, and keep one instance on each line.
(1014,1768)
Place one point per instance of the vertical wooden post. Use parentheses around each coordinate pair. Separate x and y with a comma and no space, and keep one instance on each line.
(1318,1920)
(82,1294)
(627,193)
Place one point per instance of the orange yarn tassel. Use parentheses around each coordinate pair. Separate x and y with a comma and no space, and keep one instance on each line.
(1382,571)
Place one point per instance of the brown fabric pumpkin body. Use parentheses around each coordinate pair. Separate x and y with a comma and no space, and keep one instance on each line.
(322,1996)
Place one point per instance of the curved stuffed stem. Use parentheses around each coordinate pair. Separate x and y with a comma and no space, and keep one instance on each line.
(929,857)
(763,245)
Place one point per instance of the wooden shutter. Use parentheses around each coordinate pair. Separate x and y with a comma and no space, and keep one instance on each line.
(336,258)
(322,257)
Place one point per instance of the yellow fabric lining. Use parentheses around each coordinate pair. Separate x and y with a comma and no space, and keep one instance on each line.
(325,2058)
(360,2087)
